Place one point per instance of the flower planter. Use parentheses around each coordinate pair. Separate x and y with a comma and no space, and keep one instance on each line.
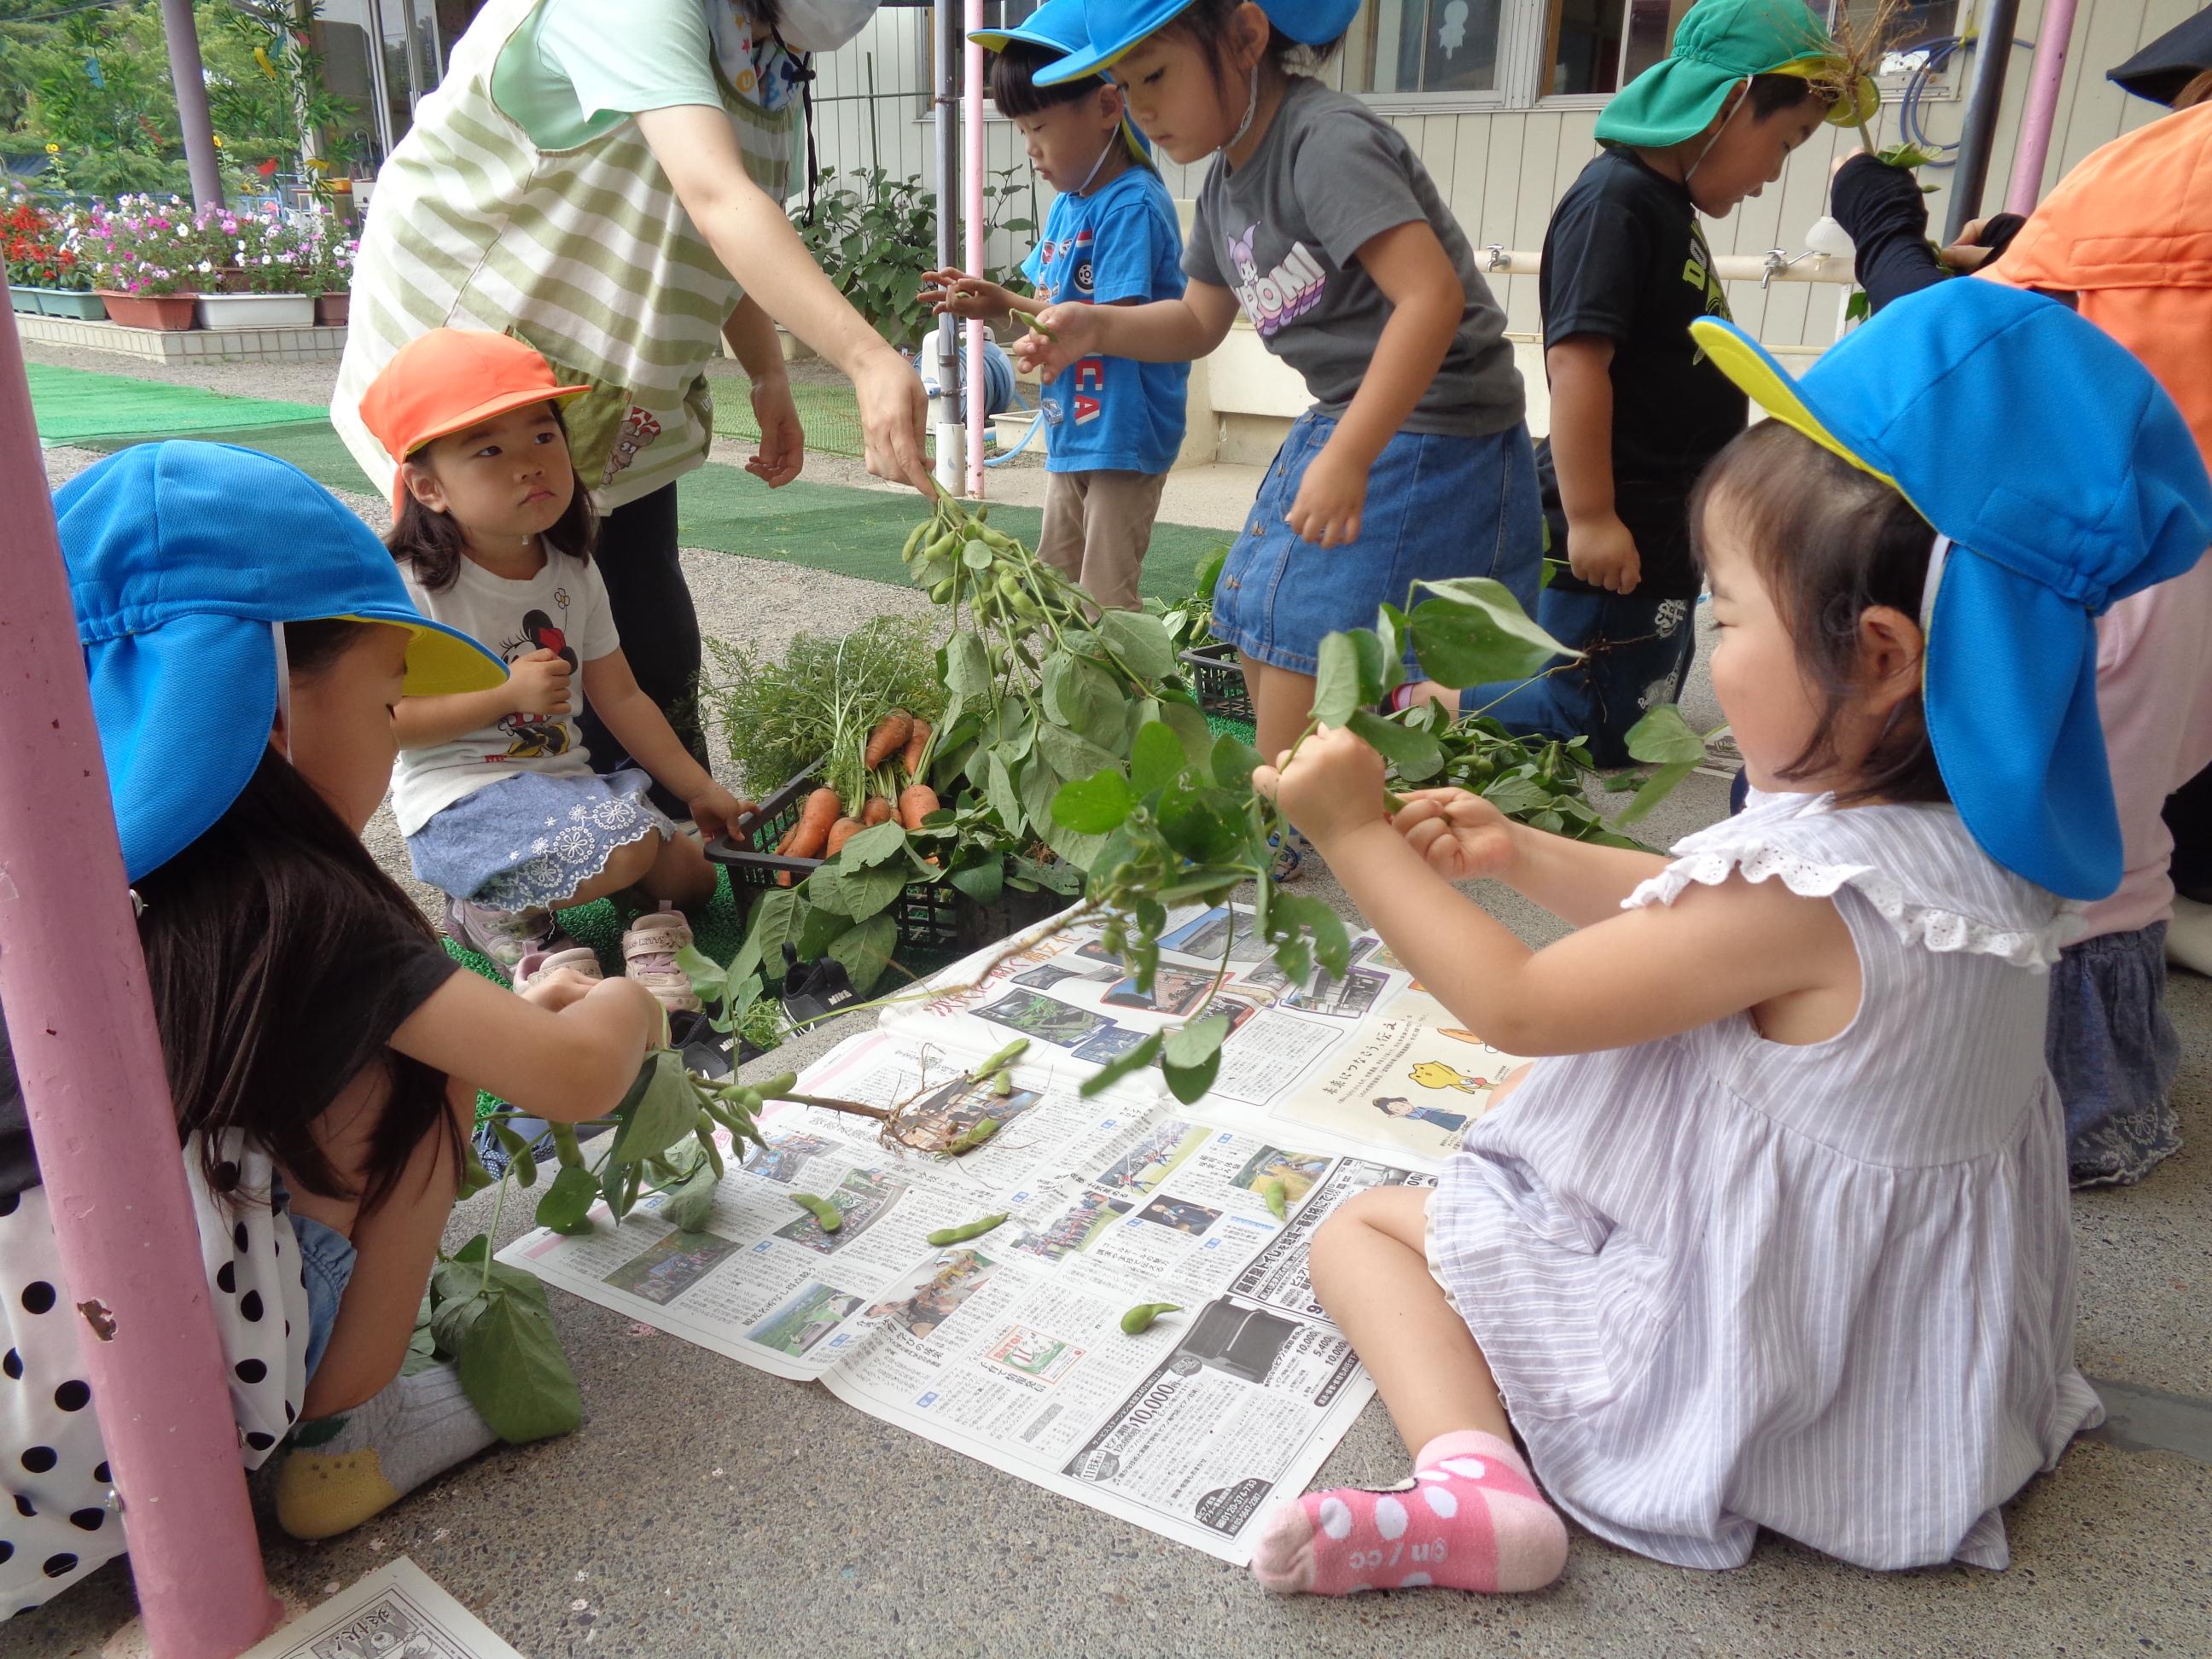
(331,309)
(25,300)
(69,302)
(219,311)
(171,312)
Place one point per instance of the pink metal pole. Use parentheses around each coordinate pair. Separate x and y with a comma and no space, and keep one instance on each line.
(973,179)
(81,1020)
(2051,41)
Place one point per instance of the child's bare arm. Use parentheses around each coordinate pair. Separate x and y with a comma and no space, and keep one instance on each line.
(1463,837)
(1635,977)
(1600,548)
(566,1067)
(639,725)
(972,298)
(426,722)
(1163,332)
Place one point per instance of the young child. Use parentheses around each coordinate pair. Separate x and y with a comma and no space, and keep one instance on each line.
(496,791)
(322,1052)
(2118,240)
(1780,1240)
(1637,410)
(1112,428)
(1319,221)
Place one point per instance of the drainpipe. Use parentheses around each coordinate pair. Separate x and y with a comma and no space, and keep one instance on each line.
(2052,42)
(1993,51)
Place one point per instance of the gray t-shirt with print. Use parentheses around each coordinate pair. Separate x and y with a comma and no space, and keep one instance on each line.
(1280,233)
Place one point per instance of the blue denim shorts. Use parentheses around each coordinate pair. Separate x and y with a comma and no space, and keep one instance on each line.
(326,1259)
(1437,505)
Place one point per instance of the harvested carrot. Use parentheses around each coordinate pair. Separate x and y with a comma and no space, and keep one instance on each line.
(840,832)
(812,831)
(916,802)
(916,741)
(887,738)
(878,811)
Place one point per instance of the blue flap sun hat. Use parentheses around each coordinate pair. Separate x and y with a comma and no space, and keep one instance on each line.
(1112,28)
(183,559)
(2059,477)
(1057,26)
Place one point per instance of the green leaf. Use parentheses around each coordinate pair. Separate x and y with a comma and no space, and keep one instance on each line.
(879,843)
(1475,631)
(1340,685)
(1514,796)
(1073,845)
(1188,723)
(514,1374)
(1189,1045)
(1417,756)
(658,1110)
(1204,825)
(966,667)
(1140,641)
(1188,1083)
(687,1208)
(1155,758)
(982,882)
(477,1249)
(1664,737)
(1657,788)
(709,979)
(1122,1066)
(1332,944)
(862,893)
(454,1317)
(1233,763)
(999,790)
(1083,697)
(865,950)
(569,1199)
(1098,804)
(1071,756)
(774,916)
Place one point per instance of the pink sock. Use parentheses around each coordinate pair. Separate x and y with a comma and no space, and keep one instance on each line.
(1470,1519)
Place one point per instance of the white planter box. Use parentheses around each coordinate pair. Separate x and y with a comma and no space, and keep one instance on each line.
(257,311)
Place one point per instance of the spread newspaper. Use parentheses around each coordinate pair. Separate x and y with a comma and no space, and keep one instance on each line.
(398,1612)
(1009,1348)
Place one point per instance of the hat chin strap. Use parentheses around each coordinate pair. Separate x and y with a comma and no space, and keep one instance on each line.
(1938,556)
(1741,98)
(1112,144)
(283,690)
(1251,109)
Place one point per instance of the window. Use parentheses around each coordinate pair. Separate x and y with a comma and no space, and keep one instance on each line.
(1600,45)
(1424,45)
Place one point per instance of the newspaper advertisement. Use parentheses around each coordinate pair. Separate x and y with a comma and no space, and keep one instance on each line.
(1008,1347)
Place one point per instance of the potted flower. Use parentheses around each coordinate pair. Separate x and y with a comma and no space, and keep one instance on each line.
(330,268)
(142,256)
(263,259)
(45,271)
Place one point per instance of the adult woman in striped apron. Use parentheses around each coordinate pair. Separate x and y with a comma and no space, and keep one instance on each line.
(605,179)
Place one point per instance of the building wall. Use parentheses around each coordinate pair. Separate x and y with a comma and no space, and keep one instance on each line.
(1502,167)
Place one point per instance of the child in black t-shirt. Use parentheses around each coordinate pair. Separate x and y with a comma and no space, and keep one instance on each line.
(1636,410)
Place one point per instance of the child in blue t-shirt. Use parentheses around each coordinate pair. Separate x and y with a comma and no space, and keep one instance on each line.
(1112,427)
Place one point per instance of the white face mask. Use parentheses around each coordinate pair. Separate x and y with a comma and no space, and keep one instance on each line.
(812,26)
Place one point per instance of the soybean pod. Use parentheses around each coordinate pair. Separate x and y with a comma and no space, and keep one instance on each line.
(826,1215)
(1276,1196)
(961,1235)
(970,1139)
(1005,1057)
(565,1147)
(1138,1319)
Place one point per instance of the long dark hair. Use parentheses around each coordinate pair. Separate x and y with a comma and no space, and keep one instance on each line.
(1830,542)
(431,543)
(268,942)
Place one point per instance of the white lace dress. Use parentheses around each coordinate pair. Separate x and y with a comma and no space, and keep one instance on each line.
(1727,1284)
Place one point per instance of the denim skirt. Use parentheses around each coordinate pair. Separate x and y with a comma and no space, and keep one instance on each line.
(532,839)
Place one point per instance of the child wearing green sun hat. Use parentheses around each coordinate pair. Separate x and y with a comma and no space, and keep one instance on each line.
(1637,411)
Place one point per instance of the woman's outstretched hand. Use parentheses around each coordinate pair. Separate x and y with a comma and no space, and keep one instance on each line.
(894,416)
(1461,835)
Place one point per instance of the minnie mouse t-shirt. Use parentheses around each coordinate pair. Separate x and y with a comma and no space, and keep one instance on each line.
(562,608)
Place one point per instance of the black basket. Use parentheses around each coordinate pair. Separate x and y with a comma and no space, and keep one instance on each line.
(934,918)
(1219,682)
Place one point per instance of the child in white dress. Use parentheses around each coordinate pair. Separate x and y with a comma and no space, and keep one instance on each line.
(1780,1237)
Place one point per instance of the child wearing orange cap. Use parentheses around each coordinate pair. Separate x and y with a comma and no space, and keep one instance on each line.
(495,791)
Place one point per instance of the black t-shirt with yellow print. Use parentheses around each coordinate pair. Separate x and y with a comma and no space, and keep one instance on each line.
(1625,258)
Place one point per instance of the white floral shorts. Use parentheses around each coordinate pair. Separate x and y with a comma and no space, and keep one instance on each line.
(532,839)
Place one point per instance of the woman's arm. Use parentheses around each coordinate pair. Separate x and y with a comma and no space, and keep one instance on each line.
(754,242)
(751,334)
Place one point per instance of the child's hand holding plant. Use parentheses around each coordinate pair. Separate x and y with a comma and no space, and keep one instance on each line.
(1331,786)
(1459,835)
(1060,335)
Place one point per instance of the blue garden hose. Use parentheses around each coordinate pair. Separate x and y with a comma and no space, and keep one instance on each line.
(1915,96)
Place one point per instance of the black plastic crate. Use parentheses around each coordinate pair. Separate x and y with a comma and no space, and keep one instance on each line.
(935,918)
(1219,682)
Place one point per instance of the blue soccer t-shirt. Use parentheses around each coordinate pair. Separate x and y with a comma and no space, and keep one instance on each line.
(1120,242)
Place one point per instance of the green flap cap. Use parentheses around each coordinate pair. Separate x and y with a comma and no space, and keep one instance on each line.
(1719,44)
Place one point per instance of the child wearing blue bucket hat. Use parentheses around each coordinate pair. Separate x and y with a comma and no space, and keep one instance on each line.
(1112,428)
(1779,1237)
(1319,220)
(246,638)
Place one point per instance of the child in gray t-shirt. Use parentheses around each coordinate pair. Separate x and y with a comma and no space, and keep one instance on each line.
(1318,219)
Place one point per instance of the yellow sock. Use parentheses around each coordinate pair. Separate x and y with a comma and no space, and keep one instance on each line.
(320,1494)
